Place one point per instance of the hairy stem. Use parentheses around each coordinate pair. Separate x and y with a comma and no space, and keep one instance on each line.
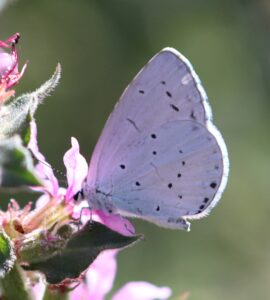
(13,286)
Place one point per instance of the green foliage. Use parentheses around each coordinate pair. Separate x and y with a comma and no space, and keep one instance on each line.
(7,256)
(16,167)
(13,285)
(16,114)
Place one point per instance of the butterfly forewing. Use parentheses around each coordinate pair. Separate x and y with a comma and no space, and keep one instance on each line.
(159,156)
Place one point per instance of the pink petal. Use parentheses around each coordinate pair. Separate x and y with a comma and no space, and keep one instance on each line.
(80,292)
(99,278)
(116,223)
(43,169)
(141,290)
(7,63)
(77,168)
(38,289)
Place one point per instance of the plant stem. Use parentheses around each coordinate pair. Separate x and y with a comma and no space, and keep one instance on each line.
(13,285)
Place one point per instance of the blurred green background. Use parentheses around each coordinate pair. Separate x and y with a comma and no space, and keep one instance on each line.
(101,46)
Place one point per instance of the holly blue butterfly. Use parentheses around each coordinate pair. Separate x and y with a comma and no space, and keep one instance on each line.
(159,157)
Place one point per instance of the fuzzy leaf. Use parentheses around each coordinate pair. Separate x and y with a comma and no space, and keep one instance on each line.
(26,131)
(7,257)
(14,114)
(16,167)
(80,252)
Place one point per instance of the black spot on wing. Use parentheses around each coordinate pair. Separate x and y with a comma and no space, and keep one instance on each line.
(169,94)
(213,185)
(174,107)
(192,115)
(206,200)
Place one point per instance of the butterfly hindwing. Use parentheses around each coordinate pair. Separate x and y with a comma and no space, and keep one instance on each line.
(159,156)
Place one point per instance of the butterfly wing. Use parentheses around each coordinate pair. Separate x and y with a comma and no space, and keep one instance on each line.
(160,128)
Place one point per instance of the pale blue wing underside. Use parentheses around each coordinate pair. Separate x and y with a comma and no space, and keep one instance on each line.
(159,156)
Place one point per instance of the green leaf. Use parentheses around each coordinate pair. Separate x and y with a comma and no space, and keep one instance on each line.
(26,131)
(7,257)
(14,114)
(80,251)
(16,167)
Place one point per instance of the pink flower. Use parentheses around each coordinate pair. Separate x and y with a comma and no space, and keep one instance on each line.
(99,281)
(77,169)
(8,63)
(9,74)
(141,290)
(43,169)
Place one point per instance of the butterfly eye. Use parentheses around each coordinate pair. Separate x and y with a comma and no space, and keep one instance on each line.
(79,195)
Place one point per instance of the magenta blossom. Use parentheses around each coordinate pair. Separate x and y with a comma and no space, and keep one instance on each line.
(9,73)
(77,169)
(99,281)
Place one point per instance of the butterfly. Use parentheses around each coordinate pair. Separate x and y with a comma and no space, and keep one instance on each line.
(159,157)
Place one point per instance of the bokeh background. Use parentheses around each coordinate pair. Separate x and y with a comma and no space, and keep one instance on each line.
(101,46)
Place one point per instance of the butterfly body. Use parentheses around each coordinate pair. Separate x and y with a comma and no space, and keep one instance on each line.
(159,157)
